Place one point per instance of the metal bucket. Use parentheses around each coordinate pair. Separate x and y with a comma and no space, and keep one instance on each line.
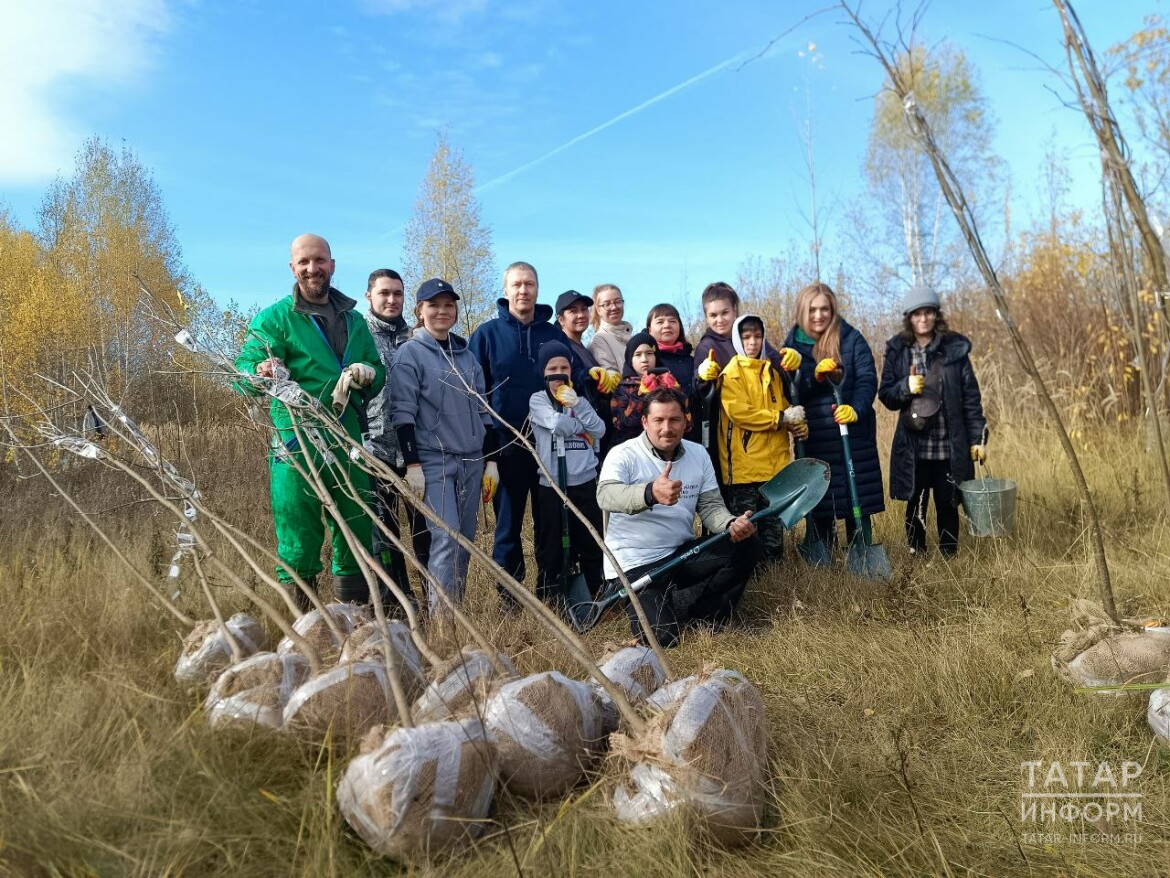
(990,505)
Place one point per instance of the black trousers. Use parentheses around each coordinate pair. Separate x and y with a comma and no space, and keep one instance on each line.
(933,476)
(386,504)
(519,479)
(747,498)
(583,550)
(707,588)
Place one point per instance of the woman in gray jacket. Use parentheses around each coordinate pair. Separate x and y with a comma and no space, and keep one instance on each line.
(436,408)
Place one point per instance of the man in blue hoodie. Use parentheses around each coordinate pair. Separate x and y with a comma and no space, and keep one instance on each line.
(507,349)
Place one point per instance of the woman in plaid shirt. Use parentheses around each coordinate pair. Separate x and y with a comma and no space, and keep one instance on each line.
(927,378)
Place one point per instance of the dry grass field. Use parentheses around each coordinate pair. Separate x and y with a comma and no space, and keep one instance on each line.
(900,714)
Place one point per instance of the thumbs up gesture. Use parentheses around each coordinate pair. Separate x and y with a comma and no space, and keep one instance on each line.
(916,381)
(709,369)
(665,489)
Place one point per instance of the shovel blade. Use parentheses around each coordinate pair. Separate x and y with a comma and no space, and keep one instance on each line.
(869,562)
(796,490)
(578,591)
(814,552)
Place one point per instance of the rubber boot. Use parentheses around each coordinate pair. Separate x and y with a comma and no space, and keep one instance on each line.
(351,589)
(302,600)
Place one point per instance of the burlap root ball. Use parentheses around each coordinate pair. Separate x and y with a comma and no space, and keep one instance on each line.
(254,692)
(547,730)
(461,685)
(313,628)
(635,670)
(1100,652)
(704,751)
(418,792)
(207,653)
(344,701)
(364,644)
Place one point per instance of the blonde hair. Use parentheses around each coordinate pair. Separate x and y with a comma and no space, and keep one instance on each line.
(829,344)
(594,313)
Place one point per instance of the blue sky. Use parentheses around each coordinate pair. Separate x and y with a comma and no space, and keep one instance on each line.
(263,119)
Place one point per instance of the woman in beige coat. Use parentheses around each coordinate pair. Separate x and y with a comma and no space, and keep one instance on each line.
(611,332)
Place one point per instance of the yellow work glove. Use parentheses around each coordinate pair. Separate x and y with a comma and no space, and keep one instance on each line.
(491,480)
(827,368)
(607,379)
(566,396)
(844,414)
(789,359)
(709,369)
(979,453)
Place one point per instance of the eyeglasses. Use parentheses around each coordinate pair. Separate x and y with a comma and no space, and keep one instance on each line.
(612,303)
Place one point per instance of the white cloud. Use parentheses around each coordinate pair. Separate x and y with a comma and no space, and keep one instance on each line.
(48,46)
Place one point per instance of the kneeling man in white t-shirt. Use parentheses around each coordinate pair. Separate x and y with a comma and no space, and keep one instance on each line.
(653,486)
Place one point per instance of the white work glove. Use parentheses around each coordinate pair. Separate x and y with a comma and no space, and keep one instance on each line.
(566,396)
(491,479)
(362,375)
(416,480)
(794,414)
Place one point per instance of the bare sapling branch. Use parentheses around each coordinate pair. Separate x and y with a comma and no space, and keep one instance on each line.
(1094,99)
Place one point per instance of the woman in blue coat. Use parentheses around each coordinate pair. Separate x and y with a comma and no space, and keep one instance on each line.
(820,335)
(927,378)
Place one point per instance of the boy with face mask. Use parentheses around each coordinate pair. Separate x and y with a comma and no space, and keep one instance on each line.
(753,423)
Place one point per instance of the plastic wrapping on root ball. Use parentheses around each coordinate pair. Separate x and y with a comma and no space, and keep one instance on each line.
(704,753)
(345,700)
(254,692)
(422,790)
(636,671)
(207,653)
(1158,714)
(547,730)
(459,684)
(313,628)
(364,644)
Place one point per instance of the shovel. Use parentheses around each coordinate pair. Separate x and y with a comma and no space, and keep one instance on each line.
(864,559)
(574,590)
(791,494)
(814,552)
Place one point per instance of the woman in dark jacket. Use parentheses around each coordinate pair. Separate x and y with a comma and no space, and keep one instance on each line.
(823,339)
(931,453)
(675,353)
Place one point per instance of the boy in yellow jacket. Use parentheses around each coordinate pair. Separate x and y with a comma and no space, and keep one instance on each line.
(754,423)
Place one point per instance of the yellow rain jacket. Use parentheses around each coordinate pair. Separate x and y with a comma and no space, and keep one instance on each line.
(753,444)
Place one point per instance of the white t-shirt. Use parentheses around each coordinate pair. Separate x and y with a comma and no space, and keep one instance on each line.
(655,532)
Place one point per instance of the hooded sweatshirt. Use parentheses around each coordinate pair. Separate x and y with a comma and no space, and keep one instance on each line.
(609,344)
(506,350)
(389,336)
(753,446)
(429,388)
